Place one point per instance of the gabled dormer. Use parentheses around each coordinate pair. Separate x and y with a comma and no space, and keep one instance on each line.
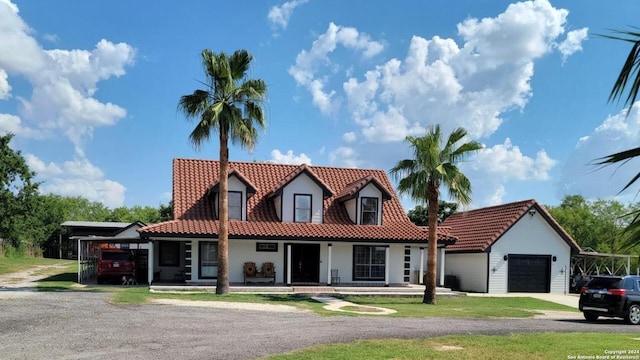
(240,190)
(299,197)
(363,200)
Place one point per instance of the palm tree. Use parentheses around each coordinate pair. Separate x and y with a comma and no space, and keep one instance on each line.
(229,104)
(422,176)
(628,79)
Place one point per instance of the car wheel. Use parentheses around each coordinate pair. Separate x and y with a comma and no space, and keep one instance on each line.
(590,316)
(633,317)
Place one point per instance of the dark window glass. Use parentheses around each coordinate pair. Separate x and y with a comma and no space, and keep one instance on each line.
(208,260)
(369,262)
(169,253)
(369,211)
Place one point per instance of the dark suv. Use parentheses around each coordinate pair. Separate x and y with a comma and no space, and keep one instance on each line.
(611,296)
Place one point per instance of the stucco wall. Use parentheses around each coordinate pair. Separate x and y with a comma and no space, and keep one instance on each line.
(302,185)
(470,269)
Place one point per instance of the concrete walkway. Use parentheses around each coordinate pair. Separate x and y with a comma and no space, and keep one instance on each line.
(334,304)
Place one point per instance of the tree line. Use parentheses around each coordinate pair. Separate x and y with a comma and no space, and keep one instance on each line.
(28,219)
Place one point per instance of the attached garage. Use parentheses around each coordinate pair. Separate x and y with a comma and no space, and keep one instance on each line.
(515,247)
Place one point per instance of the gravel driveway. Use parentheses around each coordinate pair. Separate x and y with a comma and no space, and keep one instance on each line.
(84,325)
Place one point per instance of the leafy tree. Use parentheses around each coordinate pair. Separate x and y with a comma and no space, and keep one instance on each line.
(166,211)
(231,106)
(18,192)
(147,214)
(420,214)
(433,166)
(593,224)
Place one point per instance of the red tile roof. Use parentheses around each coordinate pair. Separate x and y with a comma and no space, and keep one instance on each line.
(251,189)
(478,229)
(352,189)
(194,216)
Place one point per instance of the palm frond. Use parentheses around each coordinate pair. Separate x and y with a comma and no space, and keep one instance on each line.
(239,64)
(629,77)
(194,104)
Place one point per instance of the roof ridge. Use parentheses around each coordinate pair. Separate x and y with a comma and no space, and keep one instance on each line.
(280,164)
(487,208)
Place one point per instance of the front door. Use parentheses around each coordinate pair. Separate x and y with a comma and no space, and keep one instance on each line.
(305,263)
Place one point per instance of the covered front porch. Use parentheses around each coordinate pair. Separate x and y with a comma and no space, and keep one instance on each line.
(193,262)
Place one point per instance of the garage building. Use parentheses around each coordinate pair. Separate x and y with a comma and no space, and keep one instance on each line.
(515,247)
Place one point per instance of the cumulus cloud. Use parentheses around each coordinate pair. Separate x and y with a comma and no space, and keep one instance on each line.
(78,177)
(62,102)
(309,62)
(506,161)
(289,158)
(573,42)
(349,137)
(344,156)
(581,176)
(64,82)
(280,15)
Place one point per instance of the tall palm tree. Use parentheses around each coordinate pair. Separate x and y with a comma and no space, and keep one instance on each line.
(421,177)
(230,105)
(629,80)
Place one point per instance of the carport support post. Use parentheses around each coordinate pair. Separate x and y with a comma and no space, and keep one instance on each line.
(150,263)
(420,281)
(79,262)
(329,264)
(288,264)
(386,268)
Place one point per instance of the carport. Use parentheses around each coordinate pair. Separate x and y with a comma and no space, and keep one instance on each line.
(589,262)
(89,252)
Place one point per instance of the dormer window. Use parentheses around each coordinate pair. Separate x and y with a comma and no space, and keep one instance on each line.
(235,205)
(369,212)
(302,208)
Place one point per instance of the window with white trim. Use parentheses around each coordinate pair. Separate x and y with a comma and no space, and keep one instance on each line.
(235,205)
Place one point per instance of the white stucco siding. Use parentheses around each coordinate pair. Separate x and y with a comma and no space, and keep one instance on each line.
(373,192)
(470,269)
(531,235)
(303,184)
(350,205)
(241,251)
(130,233)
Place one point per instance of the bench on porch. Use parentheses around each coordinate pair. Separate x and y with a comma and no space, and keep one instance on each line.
(252,275)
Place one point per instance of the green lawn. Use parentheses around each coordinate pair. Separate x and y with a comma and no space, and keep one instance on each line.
(460,306)
(517,346)
(11,265)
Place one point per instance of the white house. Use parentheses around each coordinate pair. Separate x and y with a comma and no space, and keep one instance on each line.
(316,225)
(515,247)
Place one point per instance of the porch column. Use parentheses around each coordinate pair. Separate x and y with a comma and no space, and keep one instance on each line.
(79,263)
(386,267)
(288,264)
(441,266)
(150,263)
(329,264)
(420,280)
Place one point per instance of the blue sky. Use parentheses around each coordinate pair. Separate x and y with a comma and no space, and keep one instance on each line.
(90,89)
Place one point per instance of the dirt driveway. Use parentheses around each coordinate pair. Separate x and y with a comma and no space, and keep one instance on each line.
(85,325)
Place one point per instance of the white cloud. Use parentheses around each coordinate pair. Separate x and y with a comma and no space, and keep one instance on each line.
(5,88)
(308,63)
(573,42)
(349,137)
(506,161)
(53,38)
(289,158)
(280,15)
(40,167)
(12,124)
(64,81)
(581,176)
(344,156)
(77,177)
